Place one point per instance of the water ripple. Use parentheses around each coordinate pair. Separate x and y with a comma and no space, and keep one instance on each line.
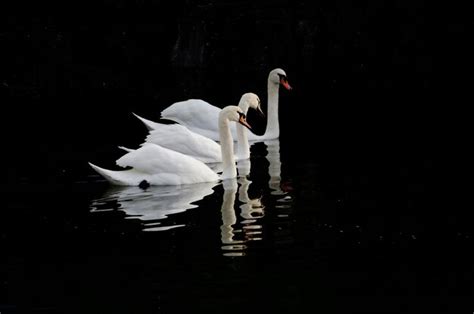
(154,205)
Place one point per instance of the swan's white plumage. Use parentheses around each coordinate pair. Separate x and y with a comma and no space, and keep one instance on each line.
(128,150)
(197,115)
(161,166)
(150,125)
(201,117)
(181,139)
(158,166)
(178,138)
(192,109)
(127,177)
(161,161)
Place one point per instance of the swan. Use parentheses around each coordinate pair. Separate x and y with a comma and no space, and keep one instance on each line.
(156,165)
(199,116)
(179,138)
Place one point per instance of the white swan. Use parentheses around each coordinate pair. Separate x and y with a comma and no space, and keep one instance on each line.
(200,116)
(179,138)
(157,165)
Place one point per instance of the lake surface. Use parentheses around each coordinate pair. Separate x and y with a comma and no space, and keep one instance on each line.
(284,237)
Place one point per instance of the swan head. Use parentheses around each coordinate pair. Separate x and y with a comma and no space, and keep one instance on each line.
(234,113)
(278,76)
(251,100)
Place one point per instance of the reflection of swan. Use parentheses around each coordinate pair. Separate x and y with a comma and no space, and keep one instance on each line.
(250,208)
(274,169)
(154,204)
(277,188)
(179,138)
(250,211)
(157,165)
(230,246)
(201,117)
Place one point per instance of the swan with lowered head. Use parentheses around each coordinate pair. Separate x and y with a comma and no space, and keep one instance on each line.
(156,165)
(200,116)
(179,138)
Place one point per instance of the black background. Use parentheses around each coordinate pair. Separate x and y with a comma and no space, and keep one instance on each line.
(370,78)
(377,118)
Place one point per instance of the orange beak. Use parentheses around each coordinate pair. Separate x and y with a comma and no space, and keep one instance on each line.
(285,83)
(243,121)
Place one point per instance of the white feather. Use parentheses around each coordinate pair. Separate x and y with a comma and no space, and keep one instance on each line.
(178,138)
(158,165)
(201,117)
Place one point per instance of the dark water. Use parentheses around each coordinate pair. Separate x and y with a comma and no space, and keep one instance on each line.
(351,211)
(287,236)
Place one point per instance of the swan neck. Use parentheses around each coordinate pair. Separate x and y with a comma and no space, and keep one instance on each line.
(227,150)
(273,127)
(243,147)
(244,106)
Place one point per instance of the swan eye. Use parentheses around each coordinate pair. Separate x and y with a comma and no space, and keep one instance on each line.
(282,77)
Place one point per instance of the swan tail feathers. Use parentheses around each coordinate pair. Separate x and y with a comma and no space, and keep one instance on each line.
(128,150)
(150,125)
(169,114)
(170,118)
(109,175)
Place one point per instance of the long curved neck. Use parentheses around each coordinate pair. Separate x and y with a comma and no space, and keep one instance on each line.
(273,127)
(227,150)
(243,147)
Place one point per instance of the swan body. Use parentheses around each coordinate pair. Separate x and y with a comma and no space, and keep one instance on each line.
(186,110)
(200,116)
(203,117)
(158,165)
(181,139)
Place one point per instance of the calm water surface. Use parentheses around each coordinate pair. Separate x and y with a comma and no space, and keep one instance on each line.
(286,236)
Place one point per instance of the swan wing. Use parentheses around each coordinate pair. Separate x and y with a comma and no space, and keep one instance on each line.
(198,116)
(167,165)
(178,138)
(123,177)
(195,113)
